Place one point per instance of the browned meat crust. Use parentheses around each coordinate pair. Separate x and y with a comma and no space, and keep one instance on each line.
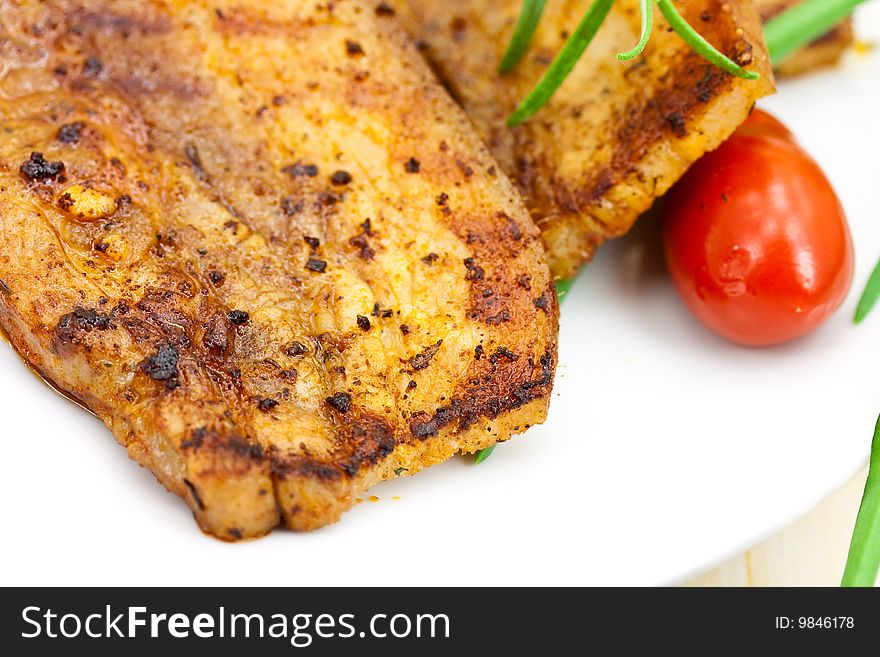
(263,245)
(616,135)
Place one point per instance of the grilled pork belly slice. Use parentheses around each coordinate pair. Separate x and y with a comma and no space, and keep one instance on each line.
(264,246)
(616,135)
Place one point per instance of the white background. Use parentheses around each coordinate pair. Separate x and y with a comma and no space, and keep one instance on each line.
(667,449)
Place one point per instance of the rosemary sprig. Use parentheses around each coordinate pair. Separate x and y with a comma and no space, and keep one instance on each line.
(563,287)
(705,49)
(483,454)
(804,23)
(577,43)
(869,296)
(647,8)
(564,62)
(528,21)
(784,34)
(863,561)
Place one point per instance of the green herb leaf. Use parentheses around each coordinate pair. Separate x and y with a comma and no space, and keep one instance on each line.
(528,21)
(863,562)
(563,287)
(705,49)
(647,7)
(564,62)
(804,23)
(483,454)
(869,296)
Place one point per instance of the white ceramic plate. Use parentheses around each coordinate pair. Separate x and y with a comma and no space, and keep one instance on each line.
(667,449)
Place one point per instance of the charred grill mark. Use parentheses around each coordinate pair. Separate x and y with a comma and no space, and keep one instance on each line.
(197,439)
(195,494)
(72,326)
(284,467)
(367,438)
(677,124)
(123,24)
(209,438)
(239,22)
(4,288)
(240,447)
(481,400)
(499,318)
(503,352)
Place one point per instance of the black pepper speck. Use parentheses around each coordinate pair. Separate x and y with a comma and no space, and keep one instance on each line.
(340,178)
(238,317)
(341,401)
(162,366)
(70,133)
(296,349)
(38,168)
(319,266)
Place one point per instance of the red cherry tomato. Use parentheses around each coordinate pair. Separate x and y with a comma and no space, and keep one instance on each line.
(760,123)
(756,240)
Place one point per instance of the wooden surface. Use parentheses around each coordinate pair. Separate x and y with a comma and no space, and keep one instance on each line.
(811,552)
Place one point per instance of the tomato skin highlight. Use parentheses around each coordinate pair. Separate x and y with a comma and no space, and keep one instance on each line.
(756,240)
